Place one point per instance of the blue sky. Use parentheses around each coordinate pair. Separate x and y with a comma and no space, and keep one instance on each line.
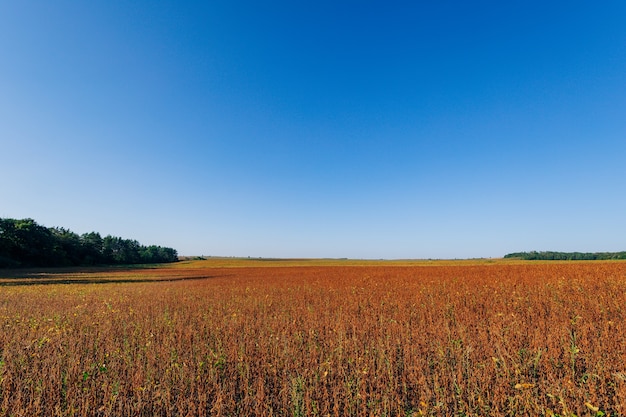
(318,129)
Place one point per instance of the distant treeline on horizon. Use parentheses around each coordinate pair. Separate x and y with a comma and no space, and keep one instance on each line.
(25,243)
(566,256)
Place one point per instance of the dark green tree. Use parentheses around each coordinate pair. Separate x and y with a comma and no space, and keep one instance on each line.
(25,243)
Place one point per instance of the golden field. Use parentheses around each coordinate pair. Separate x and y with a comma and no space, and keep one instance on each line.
(227,337)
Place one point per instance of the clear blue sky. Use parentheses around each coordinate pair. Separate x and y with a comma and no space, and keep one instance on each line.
(362,129)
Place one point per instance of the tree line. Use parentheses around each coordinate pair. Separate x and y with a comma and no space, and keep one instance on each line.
(566,256)
(26,243)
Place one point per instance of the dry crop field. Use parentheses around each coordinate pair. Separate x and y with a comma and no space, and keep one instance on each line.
(229,338)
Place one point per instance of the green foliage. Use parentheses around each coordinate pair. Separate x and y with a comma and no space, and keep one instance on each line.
(25,243)
(566,256)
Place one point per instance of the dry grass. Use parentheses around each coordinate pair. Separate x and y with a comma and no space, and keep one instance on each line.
(501,338)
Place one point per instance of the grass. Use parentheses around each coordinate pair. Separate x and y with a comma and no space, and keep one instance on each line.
(314,338)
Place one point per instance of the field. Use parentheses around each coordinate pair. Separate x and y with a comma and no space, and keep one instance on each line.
(315,338)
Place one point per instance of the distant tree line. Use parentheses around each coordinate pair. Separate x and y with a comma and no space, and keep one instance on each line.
(566,256)
(26,243)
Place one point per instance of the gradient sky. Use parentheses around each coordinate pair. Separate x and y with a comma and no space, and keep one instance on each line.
(361,129)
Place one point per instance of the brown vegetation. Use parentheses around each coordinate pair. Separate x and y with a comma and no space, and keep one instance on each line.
(430,339)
